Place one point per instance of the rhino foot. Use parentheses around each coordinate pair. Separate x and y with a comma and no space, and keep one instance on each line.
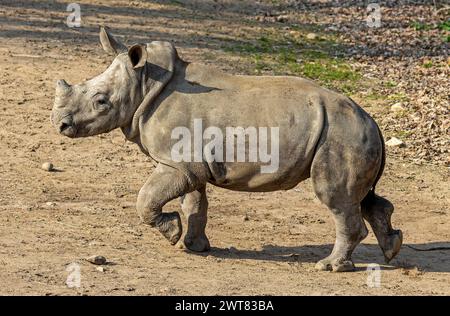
(170,226)
(392,245)
(197,244)
(335,265)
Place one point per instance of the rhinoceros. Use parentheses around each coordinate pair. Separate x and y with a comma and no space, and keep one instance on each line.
(149,91)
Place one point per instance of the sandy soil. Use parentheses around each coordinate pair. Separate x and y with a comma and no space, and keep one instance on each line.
(86,207)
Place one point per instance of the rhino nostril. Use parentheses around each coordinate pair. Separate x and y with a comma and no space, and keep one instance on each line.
(67,127)
(63,126)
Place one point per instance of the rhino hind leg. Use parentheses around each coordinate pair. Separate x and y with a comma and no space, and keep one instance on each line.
(194,206)
(164,185)
(350,231)
(378,211)
(340,180)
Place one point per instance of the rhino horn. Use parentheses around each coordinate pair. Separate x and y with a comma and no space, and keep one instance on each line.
(62,87)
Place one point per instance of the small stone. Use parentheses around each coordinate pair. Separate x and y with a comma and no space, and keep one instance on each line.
(282,18)
(47,166)
(100,269)
(245,218)
(397,107)
(50,204)
(395,142)
(311,36)
(98,260)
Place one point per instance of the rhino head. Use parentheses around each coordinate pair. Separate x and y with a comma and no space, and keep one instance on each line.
(111,99)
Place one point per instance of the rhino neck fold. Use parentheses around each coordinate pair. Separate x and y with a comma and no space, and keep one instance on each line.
(155,74)
(150,90)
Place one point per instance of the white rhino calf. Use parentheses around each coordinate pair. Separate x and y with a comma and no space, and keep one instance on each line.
(149,92)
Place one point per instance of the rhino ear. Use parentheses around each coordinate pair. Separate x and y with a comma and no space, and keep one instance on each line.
(138,55)
(109,43)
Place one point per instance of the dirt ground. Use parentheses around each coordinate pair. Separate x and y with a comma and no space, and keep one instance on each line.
(262,244)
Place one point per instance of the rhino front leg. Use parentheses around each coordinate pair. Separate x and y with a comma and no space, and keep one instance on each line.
(164,185)
(194,206)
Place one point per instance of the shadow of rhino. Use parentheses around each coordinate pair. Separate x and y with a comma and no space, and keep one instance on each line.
(427,257)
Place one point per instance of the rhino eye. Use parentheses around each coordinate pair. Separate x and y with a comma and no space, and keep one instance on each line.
(101,103)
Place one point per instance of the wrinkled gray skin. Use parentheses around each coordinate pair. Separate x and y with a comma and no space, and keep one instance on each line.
(148,90)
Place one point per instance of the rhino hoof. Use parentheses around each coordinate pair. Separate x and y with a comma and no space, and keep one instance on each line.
(171,227)
(335,265)
(393,246)
(197,244)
